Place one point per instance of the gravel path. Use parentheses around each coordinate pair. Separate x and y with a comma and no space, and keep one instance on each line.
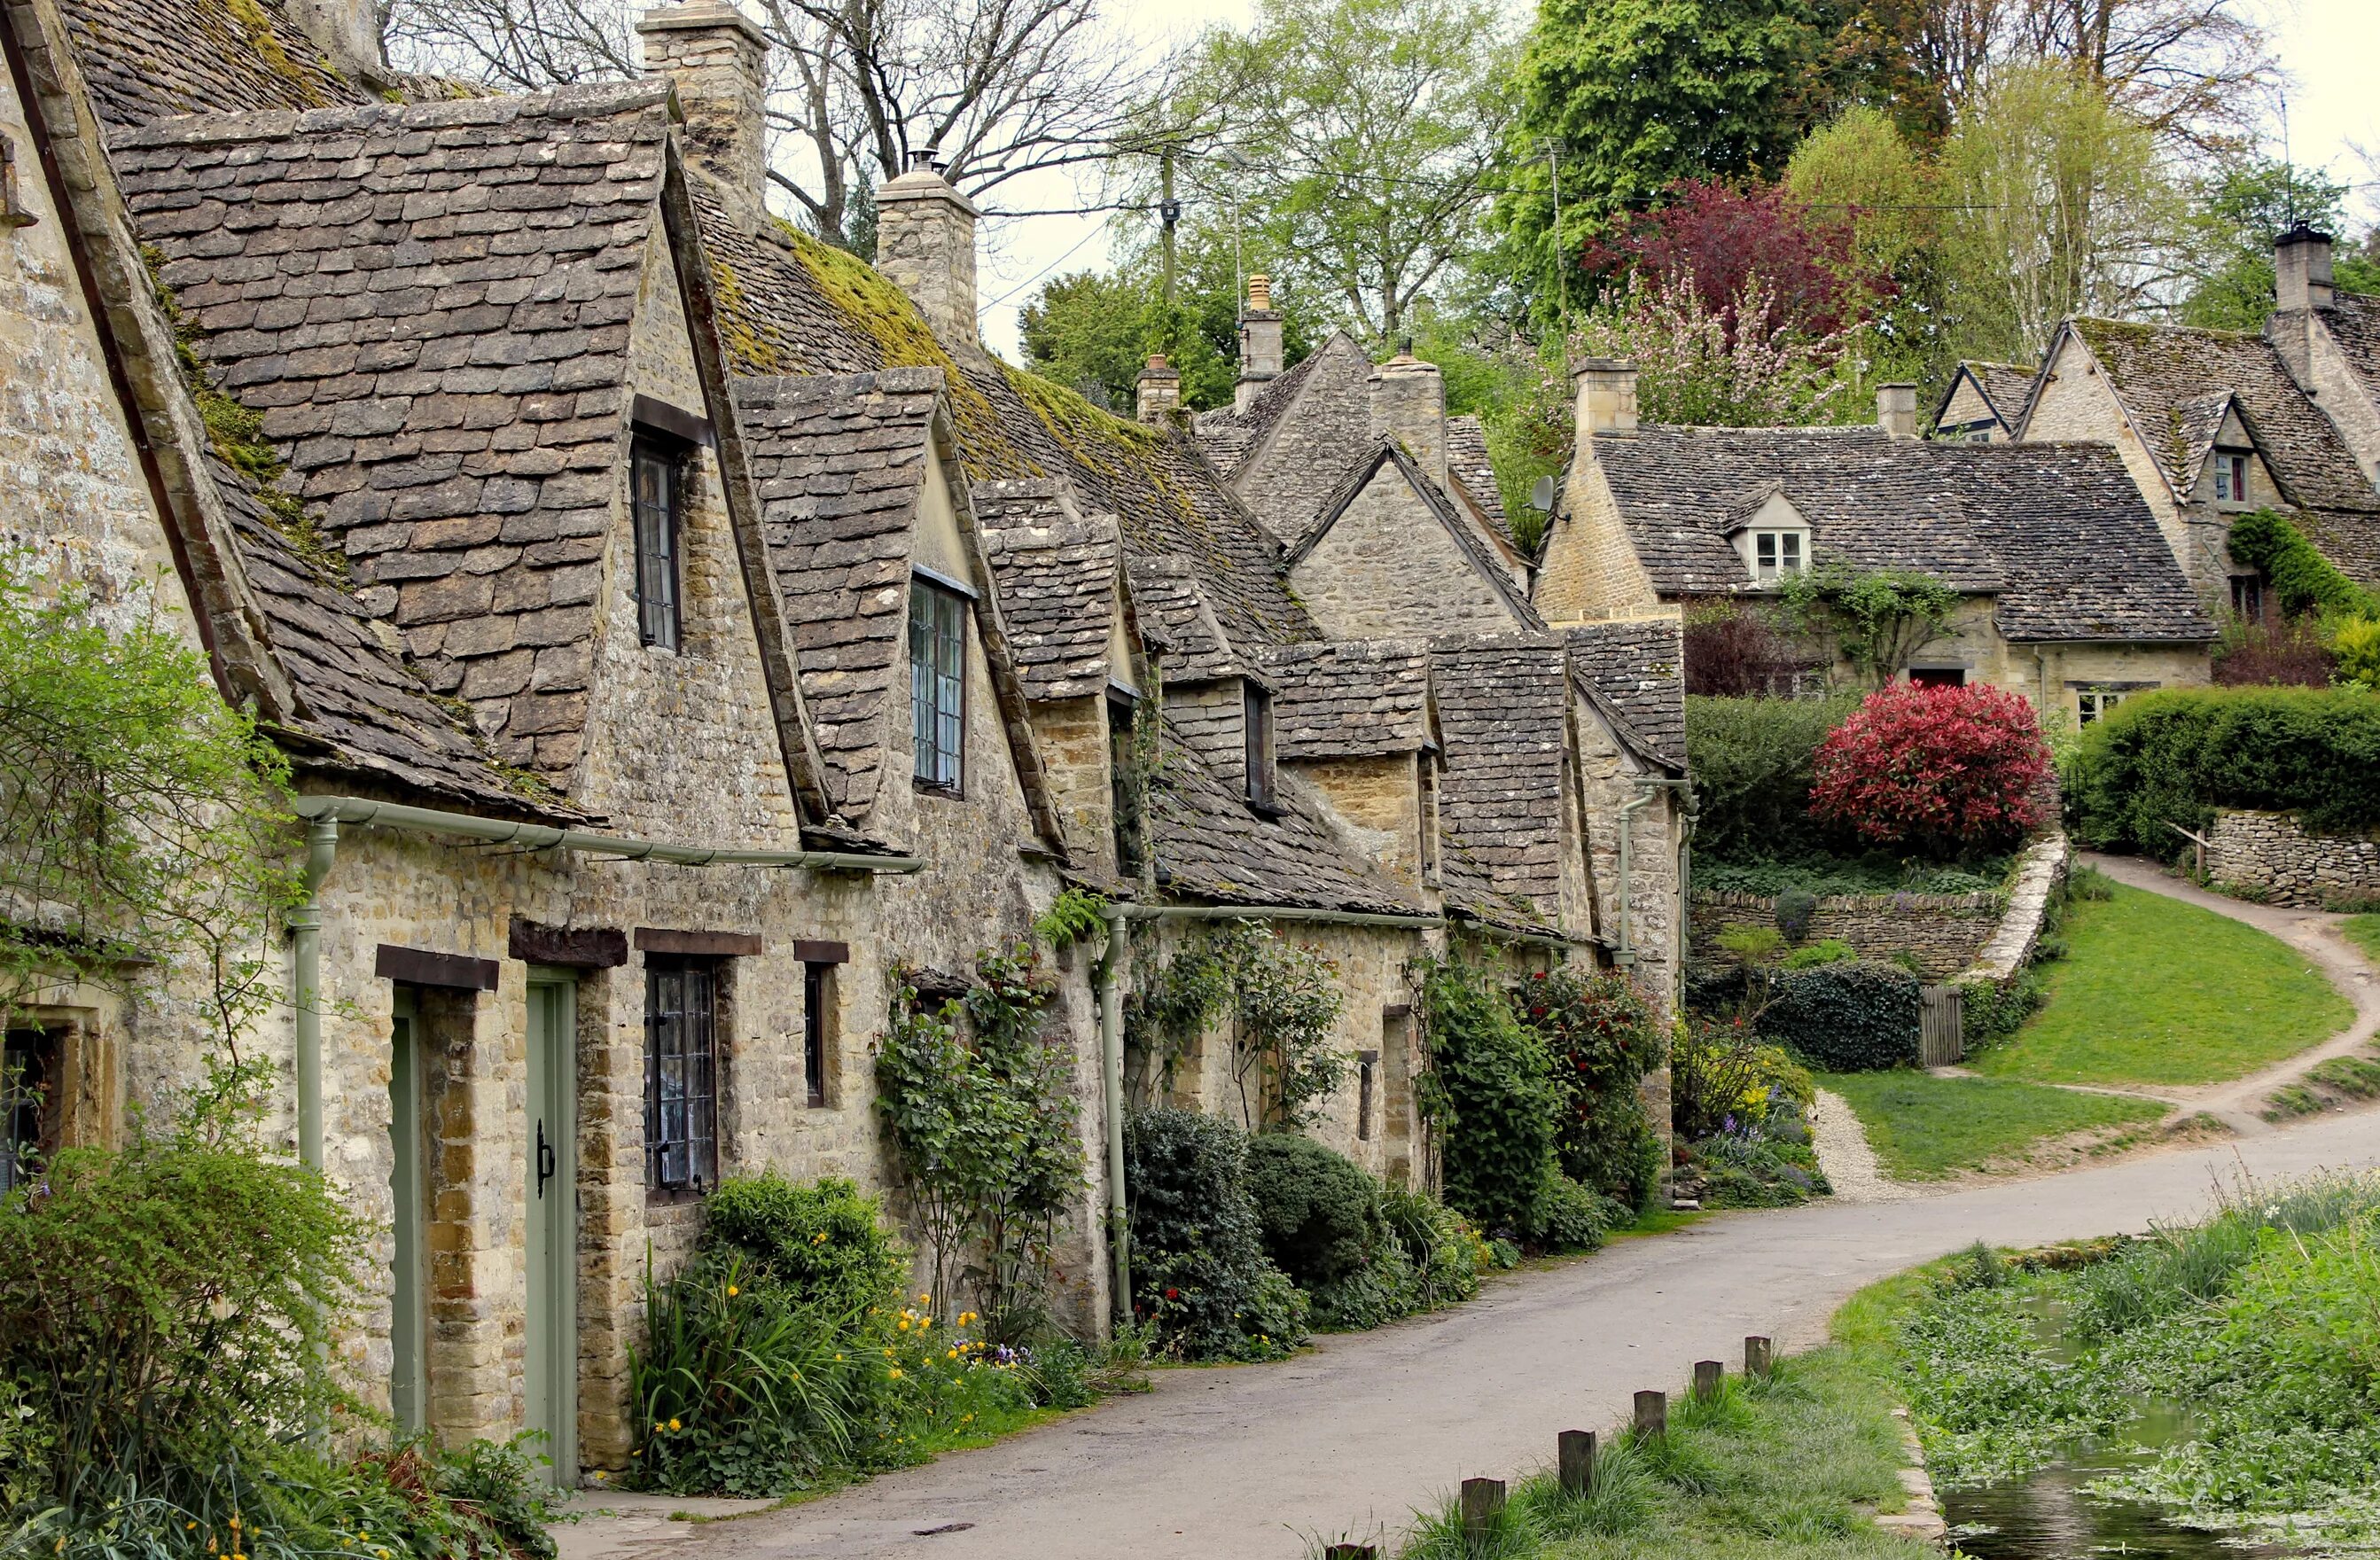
(1850,1165)
(1250,1462)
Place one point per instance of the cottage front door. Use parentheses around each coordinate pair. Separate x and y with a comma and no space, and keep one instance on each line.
(553,1186)
(408,1390)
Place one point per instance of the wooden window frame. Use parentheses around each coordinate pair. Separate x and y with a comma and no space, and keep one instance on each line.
(1257,749)
(660,533)
(32,1065)
(2095,704)
(702,1059)
(937,621)
(2230,471)
(818,1038)
(1770,560)
(2248,598)
(1124,820)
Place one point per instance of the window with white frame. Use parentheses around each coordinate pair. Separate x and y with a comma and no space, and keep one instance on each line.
(2230,478)
(2091,703)
(1778,553)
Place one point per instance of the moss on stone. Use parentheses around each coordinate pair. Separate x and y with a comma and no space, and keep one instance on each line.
(257,29)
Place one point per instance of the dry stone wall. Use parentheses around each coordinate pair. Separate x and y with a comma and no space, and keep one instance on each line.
(2268,854)
(1945,931)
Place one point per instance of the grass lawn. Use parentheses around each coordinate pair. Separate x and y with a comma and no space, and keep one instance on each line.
(2156,991)
(1923,1128)
(2363,931)
(1770,1470)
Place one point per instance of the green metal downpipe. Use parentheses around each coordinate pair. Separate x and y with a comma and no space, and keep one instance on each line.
(1112,1068)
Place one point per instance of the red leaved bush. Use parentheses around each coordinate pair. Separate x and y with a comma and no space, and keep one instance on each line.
(1939,770)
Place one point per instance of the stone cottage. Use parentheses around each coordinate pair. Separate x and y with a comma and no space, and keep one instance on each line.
(600,549)
(1983,402)
(2068,593)
(2212,424)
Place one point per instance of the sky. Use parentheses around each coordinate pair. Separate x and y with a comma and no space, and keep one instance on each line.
(2329,49)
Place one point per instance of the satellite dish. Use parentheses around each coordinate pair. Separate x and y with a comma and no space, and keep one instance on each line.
(1541,497)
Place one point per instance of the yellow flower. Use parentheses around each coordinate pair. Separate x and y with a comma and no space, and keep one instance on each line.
(363,1538)
(382,1554)
(966,1419)
(659,1427)
(896,1375)
(187,1526)
(888,1354)
(950,1354)
(904,1324)
(673,1424)
(838,1359)
(733,1292)
(925,1300)
(232,1524)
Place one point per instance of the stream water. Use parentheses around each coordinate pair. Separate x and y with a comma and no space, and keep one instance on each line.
(2046,1515)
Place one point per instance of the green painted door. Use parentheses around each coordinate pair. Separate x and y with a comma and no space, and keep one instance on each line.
(552,1332)
(409,1389)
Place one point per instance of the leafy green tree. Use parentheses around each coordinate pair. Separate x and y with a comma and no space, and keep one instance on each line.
(1630,96)
(2229,245)
(1090,330)
(1362,137)
(1876,619)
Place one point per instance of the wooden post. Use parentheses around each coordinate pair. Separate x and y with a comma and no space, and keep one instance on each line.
(1483,1501)
(1708,1373)
(1756,1356)
(1652,1413)
(1574,1457)
(1351,1552)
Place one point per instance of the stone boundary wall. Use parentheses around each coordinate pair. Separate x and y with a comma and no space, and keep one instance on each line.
(2039,871)
(1947,932)
(2270,851)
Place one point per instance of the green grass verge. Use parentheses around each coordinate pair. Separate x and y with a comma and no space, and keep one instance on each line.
(1778,1470)
(1924,1128)
(2363,931)
(2156,991)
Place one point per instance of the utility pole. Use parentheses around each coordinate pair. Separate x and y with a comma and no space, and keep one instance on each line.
(1170,210)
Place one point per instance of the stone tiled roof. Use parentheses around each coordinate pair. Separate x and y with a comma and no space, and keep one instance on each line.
(839,463)
(430,308)
(153,59)
(791,305)
(1501,705)
(360,709)
(1349,698)
(1056,575)
(1466,460)
(2057,532)
(1210,845)
(1475,549)
(2165,376)
(1639,667)
(1176,621)
(2354,322)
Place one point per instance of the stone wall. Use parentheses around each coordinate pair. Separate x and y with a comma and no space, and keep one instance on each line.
(1387,564)
(1945,931)
(2009,947)
(2268,851)
(1285,479)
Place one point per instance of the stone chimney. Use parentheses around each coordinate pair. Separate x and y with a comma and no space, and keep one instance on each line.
(925,242)
(346,30)
(2302,270)
(1896,410)
(1260,342)
(1606,396)
(1409,402)
(718,60)
(1161,389)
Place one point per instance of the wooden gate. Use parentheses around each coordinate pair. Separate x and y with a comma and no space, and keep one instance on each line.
(1939,1039)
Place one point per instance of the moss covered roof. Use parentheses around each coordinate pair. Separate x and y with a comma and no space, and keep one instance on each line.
(150,59)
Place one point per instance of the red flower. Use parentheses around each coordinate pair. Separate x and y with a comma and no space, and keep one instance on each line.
(1173,1294)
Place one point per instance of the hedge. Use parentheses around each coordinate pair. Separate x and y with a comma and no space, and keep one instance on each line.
(1751,759)
(2177,754)
(1852,1016)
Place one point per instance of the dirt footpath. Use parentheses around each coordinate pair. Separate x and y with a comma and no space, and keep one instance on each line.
(1250,1463)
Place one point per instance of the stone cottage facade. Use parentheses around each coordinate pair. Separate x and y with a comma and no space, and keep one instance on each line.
(602,551)
(2068,593)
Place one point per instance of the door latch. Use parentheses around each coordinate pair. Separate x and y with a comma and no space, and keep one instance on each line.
(545,1160)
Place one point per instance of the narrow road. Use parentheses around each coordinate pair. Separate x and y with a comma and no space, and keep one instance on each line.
(2314,933)
(1251,1463)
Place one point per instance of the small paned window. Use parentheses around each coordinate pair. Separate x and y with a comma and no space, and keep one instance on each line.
(817,994)
(2095,702)
(2231,479)
(1123,788)
(28,1070)
(656,468)
(681,1075)
(937,684)
(1775,554)
(2248,598)
(1255,714)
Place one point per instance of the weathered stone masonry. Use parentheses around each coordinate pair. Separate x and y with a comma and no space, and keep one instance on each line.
(2272,853)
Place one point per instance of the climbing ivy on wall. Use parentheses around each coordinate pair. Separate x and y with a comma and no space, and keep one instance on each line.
(1281,1000)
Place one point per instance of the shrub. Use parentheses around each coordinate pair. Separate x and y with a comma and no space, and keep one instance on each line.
(1752,761)
(1199,1274)
(1600,1039)
(1852,1017)
(1942,771)
(1795,907)
(1488,1092)
(2303,580)
(2177,755)
(1446,1254)
(1317,1213)
(2290,654)
(1714,1070)
(1832,950)
(1870,871)
(1734,651)
(1992,1010)
(1576,1219)
(823,1243)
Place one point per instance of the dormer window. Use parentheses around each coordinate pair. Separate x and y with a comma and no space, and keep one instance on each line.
(1775,554)
(937,619)
(1256,724)
(2230,478)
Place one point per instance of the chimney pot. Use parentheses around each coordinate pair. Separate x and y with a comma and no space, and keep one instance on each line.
(921,159)
(1260,293)
(1606,396)
(2302,270)
(1896,410)
(717,58)
(1260,344)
